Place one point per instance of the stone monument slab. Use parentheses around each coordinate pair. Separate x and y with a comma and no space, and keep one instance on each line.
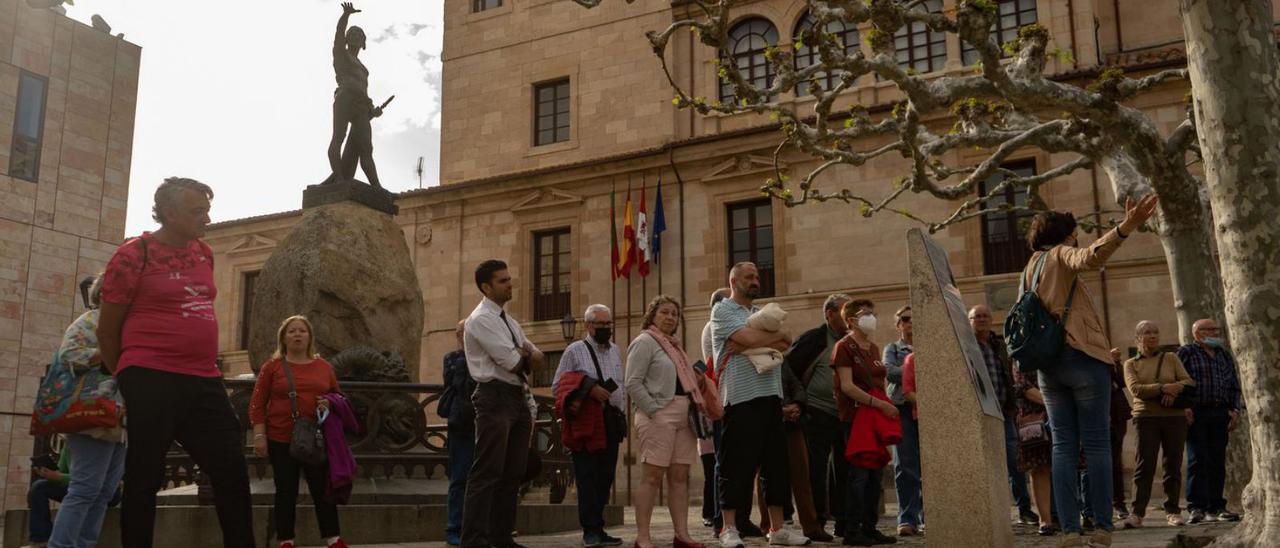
(963,465)
(352,190)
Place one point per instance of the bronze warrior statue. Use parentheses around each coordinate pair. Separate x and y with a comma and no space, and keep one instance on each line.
(351,105)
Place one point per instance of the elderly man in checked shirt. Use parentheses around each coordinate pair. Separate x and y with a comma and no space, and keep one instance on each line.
(1215,413)
(596,355)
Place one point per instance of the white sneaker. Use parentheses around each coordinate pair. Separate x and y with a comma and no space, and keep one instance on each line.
(787,536)
(729,538)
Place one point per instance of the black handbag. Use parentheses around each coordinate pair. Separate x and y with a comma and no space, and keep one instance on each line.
(306,443)
(1184,400)
(615,421)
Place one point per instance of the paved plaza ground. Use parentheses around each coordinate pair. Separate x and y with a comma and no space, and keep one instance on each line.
(1155,534)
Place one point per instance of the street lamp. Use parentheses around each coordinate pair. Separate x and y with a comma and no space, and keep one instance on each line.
(568,326)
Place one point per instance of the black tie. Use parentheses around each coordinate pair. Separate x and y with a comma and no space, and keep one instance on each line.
(516,342)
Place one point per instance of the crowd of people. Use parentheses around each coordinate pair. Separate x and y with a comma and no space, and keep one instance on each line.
(802,428)
(809,432)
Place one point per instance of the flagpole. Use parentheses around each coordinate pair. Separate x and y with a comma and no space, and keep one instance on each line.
(657,235)
(644,280)
(631,420)
(613,305)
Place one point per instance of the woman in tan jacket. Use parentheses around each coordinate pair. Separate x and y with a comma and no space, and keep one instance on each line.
(1155,379)
(1077,388)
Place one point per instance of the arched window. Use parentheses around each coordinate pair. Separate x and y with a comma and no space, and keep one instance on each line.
(747,42)
(807,55)
(920,48)
(1013,15)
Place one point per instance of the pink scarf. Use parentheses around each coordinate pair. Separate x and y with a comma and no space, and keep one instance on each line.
(688,377)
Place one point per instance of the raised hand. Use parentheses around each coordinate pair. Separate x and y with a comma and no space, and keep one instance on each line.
(348,8)
(1136,213)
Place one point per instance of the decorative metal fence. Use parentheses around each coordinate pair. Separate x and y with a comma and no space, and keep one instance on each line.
(403,437)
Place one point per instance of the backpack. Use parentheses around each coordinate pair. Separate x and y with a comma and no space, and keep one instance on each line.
(1035,338)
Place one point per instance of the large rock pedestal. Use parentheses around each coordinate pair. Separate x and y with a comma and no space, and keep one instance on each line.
(347,268)
(966,484)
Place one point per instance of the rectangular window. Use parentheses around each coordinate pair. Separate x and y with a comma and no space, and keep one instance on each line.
(920,48)
(482,5)
(551,112)
(1012,15)
(248,281)
(551,274)
(751,239)
(1004,246)
(543,378)
(28,126)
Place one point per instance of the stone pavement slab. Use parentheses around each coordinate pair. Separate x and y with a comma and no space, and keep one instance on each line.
(1157,534)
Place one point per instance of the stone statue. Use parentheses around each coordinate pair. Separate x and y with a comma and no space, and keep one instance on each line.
(351,105)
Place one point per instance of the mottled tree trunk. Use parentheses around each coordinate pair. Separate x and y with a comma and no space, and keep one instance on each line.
(1183,225)
(1235,82)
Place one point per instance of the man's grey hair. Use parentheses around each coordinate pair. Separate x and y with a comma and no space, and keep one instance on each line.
(170,191)
(719,295)
(594,311)
(1144,325)
(835,301)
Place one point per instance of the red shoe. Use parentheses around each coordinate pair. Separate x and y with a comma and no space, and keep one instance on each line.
(338,544)
(287,544)
(677,543)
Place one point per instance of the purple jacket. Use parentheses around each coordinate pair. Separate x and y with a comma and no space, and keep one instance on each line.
(342,464)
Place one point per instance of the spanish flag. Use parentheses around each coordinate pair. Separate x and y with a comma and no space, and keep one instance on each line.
(627,258)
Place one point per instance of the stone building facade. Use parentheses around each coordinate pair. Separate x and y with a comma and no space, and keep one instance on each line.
(67,100)
(549,110)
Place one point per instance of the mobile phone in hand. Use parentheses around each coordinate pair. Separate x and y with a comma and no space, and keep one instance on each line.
(44,461)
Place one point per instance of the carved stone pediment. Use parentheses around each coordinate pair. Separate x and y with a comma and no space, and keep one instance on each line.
(545,198)
(740,165)
(252,242)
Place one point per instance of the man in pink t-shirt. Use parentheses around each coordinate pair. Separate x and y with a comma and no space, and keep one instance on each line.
(158,333)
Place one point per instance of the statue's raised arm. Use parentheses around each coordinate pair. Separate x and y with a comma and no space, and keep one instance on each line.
(340,38)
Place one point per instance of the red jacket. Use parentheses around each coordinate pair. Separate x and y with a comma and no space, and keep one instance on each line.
(871,435)
(581,432)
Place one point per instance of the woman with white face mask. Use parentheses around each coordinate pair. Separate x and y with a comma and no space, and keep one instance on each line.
(858,372)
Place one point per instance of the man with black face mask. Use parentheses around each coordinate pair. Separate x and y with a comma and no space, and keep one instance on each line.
(595,365)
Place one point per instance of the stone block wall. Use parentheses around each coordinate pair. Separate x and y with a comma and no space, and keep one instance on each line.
(64,226)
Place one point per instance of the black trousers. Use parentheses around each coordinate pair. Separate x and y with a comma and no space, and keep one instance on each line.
(753,439)
(194,411)
(1167,435)
(709,486)
(862,495)
(503,427)
(594,473)
(285,471)
(827,468)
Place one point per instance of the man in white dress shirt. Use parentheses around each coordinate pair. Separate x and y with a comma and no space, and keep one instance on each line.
(500,358)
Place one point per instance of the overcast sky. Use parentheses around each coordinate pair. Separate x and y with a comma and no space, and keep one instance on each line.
(239,93)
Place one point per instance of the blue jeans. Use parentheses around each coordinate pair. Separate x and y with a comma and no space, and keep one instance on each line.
(906,470)
(461,445)
(1017,479)
(96,469)
(1077,393)
(39,519)
(1207,459)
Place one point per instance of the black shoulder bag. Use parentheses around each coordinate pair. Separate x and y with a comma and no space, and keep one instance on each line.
(615,421)
(307,441)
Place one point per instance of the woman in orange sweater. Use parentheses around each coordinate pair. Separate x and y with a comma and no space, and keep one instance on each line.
(271,413)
